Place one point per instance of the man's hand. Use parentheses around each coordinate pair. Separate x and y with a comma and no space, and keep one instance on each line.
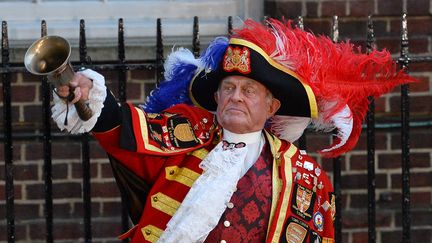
(80,85)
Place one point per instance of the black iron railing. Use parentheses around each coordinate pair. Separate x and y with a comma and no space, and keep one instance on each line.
(370,132)
(156,65)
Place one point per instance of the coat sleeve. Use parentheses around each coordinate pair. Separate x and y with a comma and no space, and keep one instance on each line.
(66,116)
(143,141)
(139,144)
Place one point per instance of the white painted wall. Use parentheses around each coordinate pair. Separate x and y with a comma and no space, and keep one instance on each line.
(101,18)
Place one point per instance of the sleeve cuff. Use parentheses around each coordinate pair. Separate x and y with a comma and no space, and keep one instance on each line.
(96,100)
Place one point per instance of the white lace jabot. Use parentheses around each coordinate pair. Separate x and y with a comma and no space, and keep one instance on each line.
(206,201)
(254,141)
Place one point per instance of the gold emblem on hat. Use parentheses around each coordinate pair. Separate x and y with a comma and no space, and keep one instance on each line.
(237,59)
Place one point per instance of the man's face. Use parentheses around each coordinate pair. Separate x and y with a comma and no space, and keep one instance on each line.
(244,104)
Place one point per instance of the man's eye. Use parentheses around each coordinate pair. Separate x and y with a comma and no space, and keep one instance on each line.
(228,88)
(250,91)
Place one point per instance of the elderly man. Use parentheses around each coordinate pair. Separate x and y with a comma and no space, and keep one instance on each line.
(190,175)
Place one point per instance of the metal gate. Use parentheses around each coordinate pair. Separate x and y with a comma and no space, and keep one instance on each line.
(121,66)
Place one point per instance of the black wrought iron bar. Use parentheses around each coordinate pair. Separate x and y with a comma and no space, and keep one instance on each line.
(159,52)
(302,141)
(338,200)
(370,132)
(412,124)
(8,146)
(126,66)
(414,59)
(150,65)
(405,140)
(97,67)
(47,146)
(337,178)
(300,22)
(230,25)
(121,60)
(122,98)
(21,136)
(85,147)
(196,39)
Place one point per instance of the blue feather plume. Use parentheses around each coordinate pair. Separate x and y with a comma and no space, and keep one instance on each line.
(171,92)
(180,68)
(213,54)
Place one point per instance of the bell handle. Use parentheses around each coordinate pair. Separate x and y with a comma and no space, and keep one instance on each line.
(84,112)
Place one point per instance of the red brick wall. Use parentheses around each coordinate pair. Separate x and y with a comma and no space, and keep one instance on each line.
(352,16)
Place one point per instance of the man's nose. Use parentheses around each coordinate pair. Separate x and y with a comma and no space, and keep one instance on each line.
(237,95)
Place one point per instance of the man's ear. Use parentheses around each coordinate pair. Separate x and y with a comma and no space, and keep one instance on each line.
(274,107)
(216,97)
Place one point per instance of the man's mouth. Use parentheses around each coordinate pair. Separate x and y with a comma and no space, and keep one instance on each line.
(233,109)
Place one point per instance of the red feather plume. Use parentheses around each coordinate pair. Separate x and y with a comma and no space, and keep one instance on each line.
(341,77)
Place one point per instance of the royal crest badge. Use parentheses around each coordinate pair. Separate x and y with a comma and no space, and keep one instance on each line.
(237,59)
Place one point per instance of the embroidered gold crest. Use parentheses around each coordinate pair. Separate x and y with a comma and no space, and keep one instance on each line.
(302,202)
(237,59)
(183,132)
(296,231)
(303,198)
(180,133)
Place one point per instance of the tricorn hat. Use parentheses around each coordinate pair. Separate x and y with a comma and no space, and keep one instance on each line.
(244,58)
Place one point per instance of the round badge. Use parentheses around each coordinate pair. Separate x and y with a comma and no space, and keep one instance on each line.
(318,221)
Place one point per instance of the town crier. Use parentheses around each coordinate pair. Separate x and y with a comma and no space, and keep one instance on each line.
(209,157)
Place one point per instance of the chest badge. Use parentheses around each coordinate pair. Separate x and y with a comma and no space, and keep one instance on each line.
(302,202)
(181,133)
(318,221)
(296,231)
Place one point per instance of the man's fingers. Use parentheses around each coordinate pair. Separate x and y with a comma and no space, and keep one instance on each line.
(78,94)
(81,86)
(63,91)
(75,80)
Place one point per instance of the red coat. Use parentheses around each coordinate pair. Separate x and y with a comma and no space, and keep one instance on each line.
(164,150)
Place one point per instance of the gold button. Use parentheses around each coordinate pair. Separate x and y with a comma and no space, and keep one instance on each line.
(155,199)
(148,232)
(230,205)
(172,172)
(227,223)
